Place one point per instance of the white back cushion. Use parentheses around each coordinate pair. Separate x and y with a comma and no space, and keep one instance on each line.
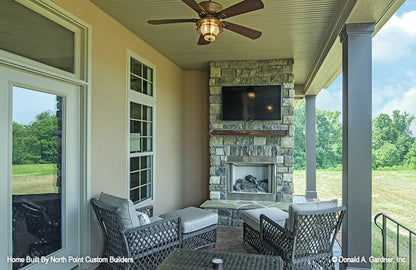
(310,206)
(143,218)
(127,211)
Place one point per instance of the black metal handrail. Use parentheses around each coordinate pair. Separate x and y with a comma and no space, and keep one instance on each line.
(383,229)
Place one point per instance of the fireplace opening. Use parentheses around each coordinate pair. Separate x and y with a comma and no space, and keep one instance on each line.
(251,184)
(251,178)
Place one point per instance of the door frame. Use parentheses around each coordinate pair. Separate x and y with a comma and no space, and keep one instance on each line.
(82,79)
(9,80)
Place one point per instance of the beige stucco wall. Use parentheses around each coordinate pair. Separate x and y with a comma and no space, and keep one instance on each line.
(195,137)
(181,124)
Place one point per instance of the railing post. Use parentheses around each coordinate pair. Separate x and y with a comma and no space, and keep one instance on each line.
(384,240)
(410,250)
(397,244)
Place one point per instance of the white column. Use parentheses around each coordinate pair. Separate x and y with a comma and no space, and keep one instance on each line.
(310,147)
(356,142)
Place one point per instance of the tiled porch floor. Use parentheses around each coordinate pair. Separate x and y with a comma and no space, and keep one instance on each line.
(231,240)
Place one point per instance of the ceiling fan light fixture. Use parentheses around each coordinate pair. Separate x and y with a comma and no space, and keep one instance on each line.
(209,28)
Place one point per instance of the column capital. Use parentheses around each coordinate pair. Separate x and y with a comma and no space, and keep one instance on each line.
(310,97)
(356,28)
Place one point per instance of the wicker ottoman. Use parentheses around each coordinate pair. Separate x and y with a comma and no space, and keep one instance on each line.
(198,227)
(251,224)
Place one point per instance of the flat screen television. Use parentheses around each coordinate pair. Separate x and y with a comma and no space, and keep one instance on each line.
(250,103)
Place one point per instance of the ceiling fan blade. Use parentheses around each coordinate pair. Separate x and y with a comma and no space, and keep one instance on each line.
(247,32)
(156,22)
(202,41)
(195,6)
(241,8)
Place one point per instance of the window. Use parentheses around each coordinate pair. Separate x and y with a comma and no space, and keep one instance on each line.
(141,77)
(26,33)
(141,136)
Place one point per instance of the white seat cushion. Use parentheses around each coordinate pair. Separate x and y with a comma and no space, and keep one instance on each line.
(193,219)
(127,211)
(309,206)
(252,217)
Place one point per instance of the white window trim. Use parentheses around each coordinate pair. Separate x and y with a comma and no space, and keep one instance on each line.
(82,54)
(140,98)
(81,78)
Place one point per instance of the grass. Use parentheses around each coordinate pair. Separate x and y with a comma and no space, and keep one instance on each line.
(34,179)
(393,194)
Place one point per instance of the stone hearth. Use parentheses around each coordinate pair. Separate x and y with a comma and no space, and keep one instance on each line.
(271,139)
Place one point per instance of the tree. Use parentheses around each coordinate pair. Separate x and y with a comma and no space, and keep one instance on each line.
(328,138)
(393,142)
(386,156)
(35,143)
(299,149)
(410,158)
(392,130)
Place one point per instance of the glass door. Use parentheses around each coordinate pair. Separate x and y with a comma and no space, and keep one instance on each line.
(41,173)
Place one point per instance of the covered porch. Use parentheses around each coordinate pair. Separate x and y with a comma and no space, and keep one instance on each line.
(149,108)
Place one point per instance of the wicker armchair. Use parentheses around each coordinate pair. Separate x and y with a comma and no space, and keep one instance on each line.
(308,244)
(46,230)
(148,245)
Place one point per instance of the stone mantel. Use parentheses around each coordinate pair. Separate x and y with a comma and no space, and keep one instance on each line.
(250,132)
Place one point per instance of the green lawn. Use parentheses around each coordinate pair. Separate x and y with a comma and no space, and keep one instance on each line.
(393,194)
(34,179)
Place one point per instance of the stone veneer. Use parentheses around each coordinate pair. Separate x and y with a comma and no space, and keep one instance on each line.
(245,73)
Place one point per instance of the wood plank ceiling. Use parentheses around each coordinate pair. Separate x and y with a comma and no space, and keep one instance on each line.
(298,29)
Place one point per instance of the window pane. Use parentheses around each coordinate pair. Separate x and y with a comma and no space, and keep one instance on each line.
(149,176)
(149,129)
(145,69)
(135,126)
(135,67)
(143,193)
(149,74)
(37,157)
(135,195)
(143,178)
(29,34)
(148,145)
(149,191)
(145,129)
(135,110)
(150,89)
(134,164)
(135,83)
(147,113)
(134,179)
(144,162)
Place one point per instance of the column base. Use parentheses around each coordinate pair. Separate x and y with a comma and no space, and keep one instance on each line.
(311,194)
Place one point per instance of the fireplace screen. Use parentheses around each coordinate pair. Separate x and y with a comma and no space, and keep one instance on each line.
(251,178)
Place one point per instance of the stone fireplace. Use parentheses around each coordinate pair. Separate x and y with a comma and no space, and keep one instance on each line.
(261,151)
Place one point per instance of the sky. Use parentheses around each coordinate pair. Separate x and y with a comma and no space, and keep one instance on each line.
(27,104)
(394,68)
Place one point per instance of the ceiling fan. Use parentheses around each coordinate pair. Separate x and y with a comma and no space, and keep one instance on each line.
(211,13)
